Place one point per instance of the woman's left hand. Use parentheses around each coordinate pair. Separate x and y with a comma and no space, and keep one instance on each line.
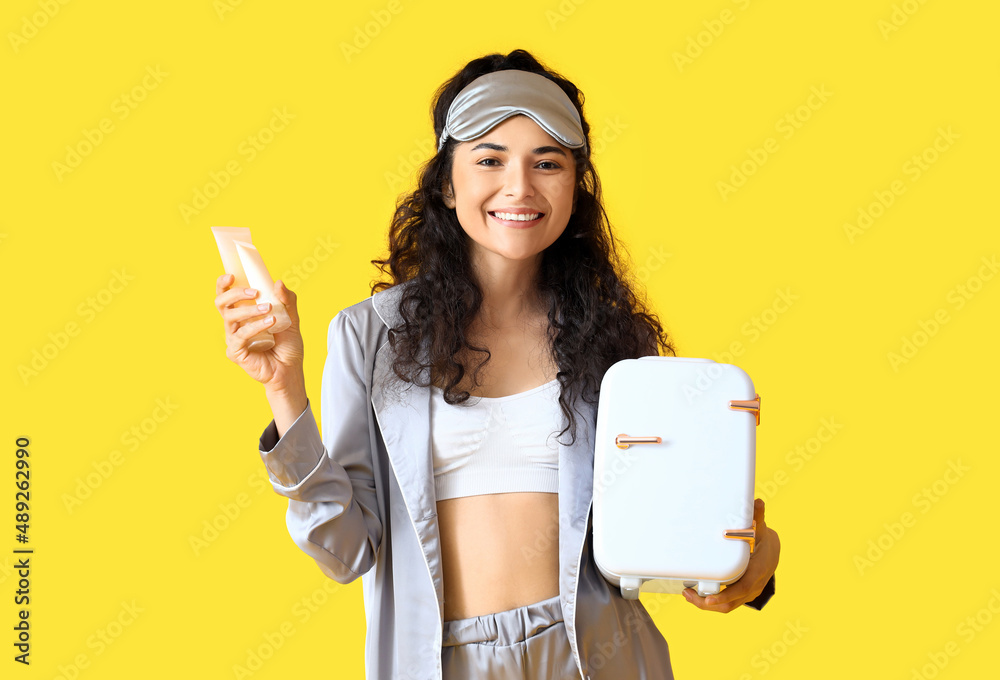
(763,563)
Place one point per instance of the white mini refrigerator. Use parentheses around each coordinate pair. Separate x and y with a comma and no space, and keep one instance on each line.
(674,475)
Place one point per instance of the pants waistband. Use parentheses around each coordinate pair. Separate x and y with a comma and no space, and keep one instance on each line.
(506,627)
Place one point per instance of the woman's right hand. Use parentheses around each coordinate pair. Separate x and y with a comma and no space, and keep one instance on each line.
(279,368)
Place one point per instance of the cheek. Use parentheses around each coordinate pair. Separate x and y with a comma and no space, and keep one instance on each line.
(471,219)
(561,191)
(470,198)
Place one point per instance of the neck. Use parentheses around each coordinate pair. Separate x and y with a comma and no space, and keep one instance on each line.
(510,291)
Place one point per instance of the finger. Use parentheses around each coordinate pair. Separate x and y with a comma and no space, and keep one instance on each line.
(238,352)
(288,298)
(248,330)
(758,517)
(238,342)
(233,313)
(705,603)
(223,282)
(237,315)
(733,595)
(746,588)
(234,295)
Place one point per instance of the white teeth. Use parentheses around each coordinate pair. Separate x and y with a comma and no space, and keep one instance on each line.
(512,217)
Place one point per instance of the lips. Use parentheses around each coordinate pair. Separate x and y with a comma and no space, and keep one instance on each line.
(517,224)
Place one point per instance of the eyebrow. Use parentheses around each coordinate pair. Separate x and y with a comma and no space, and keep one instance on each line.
(504,149)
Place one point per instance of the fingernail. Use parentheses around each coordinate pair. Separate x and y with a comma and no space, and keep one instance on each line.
(249,291)
(263,306)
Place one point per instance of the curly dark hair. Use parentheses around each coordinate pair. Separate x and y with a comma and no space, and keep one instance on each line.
(595,318)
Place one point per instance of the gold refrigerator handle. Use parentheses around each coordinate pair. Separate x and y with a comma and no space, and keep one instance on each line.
(751,405)
(623,441)
(748,535)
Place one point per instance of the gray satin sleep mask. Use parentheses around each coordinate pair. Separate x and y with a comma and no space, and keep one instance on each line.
(493,98)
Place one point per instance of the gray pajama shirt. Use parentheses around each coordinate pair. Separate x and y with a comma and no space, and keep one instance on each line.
(361,503)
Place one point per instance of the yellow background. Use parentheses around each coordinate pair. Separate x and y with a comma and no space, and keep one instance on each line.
(896,73)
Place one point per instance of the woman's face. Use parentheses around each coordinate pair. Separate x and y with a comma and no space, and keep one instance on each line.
(518,168)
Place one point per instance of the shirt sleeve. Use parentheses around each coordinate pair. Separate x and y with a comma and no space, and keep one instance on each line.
(333,513)
(765,595)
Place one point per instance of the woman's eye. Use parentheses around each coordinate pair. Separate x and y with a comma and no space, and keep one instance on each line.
(544,165)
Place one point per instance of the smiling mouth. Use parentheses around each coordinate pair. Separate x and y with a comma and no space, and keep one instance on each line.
(516,219)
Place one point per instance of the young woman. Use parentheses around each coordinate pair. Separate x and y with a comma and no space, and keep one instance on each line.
(454,474)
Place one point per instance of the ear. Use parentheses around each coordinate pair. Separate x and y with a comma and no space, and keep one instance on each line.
(449,197)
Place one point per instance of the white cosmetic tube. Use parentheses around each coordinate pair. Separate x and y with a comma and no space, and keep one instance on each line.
(225,238)
(260,278)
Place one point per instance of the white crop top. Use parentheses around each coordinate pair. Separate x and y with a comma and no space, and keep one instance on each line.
(496,444)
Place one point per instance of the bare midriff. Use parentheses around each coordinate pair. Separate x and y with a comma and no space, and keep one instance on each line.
(501,551)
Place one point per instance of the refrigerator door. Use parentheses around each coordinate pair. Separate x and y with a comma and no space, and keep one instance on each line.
(673,473)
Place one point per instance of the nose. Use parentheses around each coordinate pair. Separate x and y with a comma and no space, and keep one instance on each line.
(517,180)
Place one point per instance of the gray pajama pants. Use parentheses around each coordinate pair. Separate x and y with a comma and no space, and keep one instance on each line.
(527,643)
